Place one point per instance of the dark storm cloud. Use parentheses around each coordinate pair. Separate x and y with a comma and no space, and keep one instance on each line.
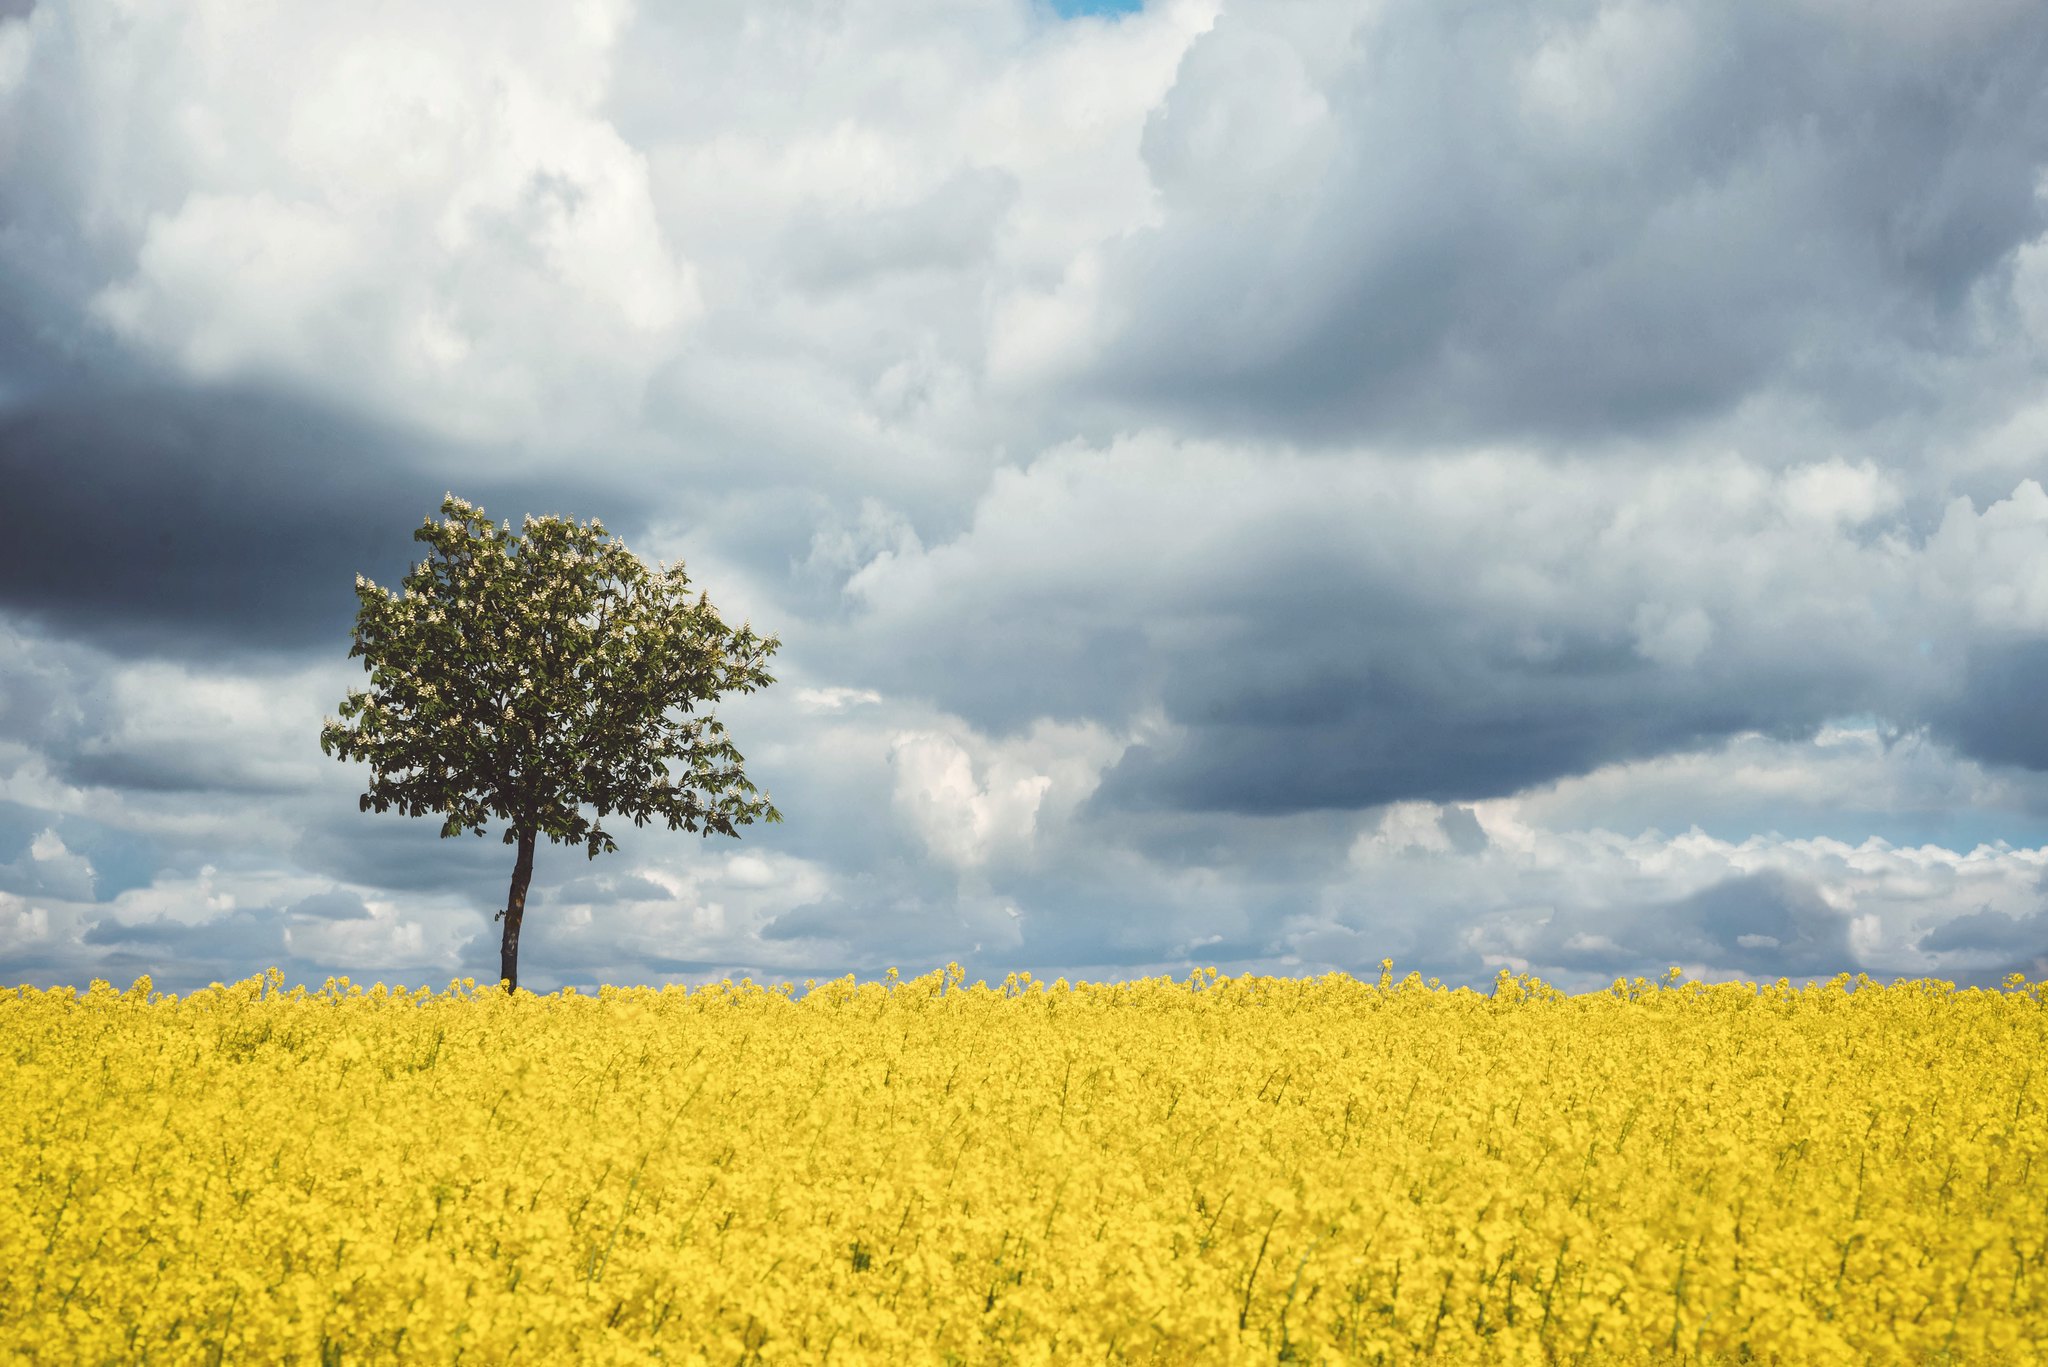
(186,523)
(1575,219)
(50,261)
(1340,695)
(1997,715)
(218,772)
(1384,715)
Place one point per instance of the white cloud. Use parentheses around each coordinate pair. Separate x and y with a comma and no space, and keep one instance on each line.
(1848,772)
(1243,120)
(225,728)
(1992,566)
(1403,826)
(1045,334)
(973,801)
(23,926)
(1625,66)
(962,818)
(838,548)
(232,282)
(429,210)
(699,912)
(385,938)
(835,699)
(195,899)
(1833,491)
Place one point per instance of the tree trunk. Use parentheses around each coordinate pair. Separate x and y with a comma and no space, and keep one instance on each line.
(515,911)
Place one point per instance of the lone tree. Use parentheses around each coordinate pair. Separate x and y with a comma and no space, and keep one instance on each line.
(523,676)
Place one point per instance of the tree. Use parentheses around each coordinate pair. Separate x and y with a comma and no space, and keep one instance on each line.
(523,676)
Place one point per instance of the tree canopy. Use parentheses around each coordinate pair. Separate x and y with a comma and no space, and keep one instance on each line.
(521,677)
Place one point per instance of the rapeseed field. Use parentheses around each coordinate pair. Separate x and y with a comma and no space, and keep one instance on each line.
(1215,1170)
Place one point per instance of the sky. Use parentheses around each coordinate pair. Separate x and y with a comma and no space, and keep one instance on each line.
(1552,487)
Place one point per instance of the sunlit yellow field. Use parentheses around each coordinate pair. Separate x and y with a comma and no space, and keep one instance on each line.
(1216,1170)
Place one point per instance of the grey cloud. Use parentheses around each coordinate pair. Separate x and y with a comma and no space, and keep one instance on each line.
(603,888)
(1261,848)
(193,771)
(55,253)
(1757,923)
(1343,633)
(183,957)
(612,949)
(1395,726)
(1989,929)
(1761,925)
(656,963)
(19,825)
(1093,907)
(814,921)
(234,949)
(49,968)
(2032,967)
(231,937)
(331,906)
(1699,203)
(1461,826)
(1142,935)
(1996,716)
(951,228)
(157,731)
(878,920)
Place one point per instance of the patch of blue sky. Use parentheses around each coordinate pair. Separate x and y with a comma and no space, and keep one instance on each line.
(1102,9)
(121,860)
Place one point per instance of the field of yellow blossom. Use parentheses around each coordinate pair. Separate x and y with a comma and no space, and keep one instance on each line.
(1215,1170)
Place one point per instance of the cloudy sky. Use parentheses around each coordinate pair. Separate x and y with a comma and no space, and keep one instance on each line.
(1555,486)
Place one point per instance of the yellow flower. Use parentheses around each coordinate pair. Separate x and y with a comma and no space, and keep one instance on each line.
(1216,1170)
